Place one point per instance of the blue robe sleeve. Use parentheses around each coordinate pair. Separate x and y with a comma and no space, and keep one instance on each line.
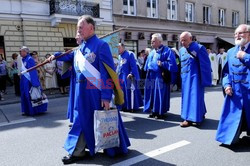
(246,60)
(169,63)
(133,66)
(67,57)
(205,67)
(106,57)
(201,55)
(33,73)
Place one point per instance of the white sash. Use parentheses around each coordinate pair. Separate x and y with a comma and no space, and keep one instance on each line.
(88,70)
(27,75)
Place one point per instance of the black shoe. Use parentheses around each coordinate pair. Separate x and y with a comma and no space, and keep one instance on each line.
(159,117)
(125,110)
(151,116)
(69,159)
(24,114)
(195,124)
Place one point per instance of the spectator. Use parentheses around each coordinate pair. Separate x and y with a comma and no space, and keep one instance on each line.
(14,71)
(63,80)
(3,76)
(50,74)
(40,70)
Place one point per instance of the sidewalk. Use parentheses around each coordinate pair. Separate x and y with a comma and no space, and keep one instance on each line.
(11,98)
(12,115)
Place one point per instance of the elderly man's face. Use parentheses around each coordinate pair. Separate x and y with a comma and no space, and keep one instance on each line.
(155,43)
(84,29)
(241,36)
(23,53)
(185,40)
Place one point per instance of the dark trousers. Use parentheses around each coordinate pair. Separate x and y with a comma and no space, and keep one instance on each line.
(219,73)
(3,83)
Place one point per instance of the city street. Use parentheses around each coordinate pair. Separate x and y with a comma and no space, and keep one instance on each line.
(38,141)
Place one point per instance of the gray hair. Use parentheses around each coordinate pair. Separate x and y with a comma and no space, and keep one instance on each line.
(158,36)
(245,26)
(248,27)
(186,33)
(89,19)
(25,48)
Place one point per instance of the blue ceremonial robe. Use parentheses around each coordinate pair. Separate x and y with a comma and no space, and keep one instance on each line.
(157,92)
(87,99)
(70,113)
(25,86)
(128,66)
(71,74)
(195,74)
(236,107)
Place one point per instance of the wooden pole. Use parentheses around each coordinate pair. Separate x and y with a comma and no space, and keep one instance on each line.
(67,52)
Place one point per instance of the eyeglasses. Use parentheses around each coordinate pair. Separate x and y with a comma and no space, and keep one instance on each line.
(241,33)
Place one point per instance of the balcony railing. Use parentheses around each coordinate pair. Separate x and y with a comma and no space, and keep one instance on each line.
(74,7)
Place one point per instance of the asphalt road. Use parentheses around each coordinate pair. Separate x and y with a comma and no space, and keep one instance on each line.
(35,141)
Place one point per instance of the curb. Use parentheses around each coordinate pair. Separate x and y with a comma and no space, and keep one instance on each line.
(18,100)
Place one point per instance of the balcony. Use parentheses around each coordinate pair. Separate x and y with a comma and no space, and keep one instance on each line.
(74,8)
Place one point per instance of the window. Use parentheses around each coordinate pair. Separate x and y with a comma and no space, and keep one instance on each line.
(235,19)
(172,10)
(189,12)
(69,43)
(131,45)
(206,14)
(129,7)
(221,17)
(149,44)
(152,8)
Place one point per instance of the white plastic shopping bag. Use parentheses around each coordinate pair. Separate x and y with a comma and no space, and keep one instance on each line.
(37,96)
(106,129)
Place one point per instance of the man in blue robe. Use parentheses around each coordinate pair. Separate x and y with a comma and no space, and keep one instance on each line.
(196,75)
(27,81)
(235,116)
(157,91)
(129,78)
(87,97)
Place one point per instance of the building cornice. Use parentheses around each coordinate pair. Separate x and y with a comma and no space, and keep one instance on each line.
(145,23)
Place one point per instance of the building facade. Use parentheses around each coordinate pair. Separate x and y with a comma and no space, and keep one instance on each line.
(211,22)
(247,11)
(47,26)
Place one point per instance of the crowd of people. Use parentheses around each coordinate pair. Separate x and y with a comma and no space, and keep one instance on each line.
(145,80)
(50,75)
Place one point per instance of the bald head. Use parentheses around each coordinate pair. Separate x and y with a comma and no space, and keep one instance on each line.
(186,34)
(185,39)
